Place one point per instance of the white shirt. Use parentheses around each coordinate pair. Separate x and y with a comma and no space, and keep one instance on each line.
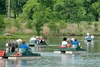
(64,43)
(92,37)
(33,38)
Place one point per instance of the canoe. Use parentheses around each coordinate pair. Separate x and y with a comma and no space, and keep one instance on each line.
(67,50)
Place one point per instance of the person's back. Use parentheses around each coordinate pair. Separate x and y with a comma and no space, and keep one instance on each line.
(14,46)
(64,42)
(75,43)
(24,45)
(25,50)
(32,38)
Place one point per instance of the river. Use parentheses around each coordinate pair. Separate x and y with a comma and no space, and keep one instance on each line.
(49,59)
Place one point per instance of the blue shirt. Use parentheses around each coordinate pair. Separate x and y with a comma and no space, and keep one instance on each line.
(75,43)
(24,46)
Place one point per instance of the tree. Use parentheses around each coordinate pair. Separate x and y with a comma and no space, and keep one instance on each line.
(2,24)
(69,10)
(92,9)
(96,10)
(3,7)
(53,27)
(47,3)
(9,12)
(17,6)
(28,10)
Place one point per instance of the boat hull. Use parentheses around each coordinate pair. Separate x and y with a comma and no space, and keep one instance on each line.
(69,52)
(21,57)
(25,57)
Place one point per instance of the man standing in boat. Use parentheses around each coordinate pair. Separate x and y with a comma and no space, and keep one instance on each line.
(88,39)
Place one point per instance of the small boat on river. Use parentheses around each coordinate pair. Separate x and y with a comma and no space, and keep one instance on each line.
(35,43)
(35,46)
(66,50)
(24,54)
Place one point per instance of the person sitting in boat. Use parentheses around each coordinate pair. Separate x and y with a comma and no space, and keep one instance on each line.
(25,50)
(64,42)
(69,41)
(75,43)
(32,39)
(41,39)
(14,46)
(11,46)
(24,45)
(19,41)
(8,47)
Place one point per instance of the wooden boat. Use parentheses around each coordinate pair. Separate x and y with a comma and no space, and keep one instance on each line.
(26,54)
(71,50)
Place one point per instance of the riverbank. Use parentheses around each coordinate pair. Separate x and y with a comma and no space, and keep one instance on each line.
(19,27)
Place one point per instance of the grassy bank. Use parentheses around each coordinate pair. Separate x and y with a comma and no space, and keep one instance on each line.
(61,28)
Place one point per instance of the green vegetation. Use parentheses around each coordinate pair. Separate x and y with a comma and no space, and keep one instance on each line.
(50,17)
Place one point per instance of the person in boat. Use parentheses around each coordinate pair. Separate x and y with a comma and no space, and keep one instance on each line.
(92,36)
(64,42)
(24,45)
(19,41)
(41,39)
(37,39)
(88,38)
(8,47)
(75,43)
(11,46)
(69,41)
(32,39)
(14,46)
(24,49)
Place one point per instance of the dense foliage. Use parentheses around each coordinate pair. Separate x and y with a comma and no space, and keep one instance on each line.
(3,7)
(54,13)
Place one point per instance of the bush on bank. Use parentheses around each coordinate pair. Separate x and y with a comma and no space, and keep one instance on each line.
(21,27)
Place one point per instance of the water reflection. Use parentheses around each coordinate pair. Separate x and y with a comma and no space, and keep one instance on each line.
(56,60)
(68,59)
(89,46)
(1,62)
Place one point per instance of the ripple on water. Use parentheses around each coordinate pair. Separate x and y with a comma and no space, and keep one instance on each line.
(56,60)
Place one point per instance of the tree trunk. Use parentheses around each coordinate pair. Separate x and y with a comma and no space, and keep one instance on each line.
(15,14)
(96,17)
(9,9)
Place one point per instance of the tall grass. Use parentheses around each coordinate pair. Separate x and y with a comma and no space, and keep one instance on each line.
(74,29)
